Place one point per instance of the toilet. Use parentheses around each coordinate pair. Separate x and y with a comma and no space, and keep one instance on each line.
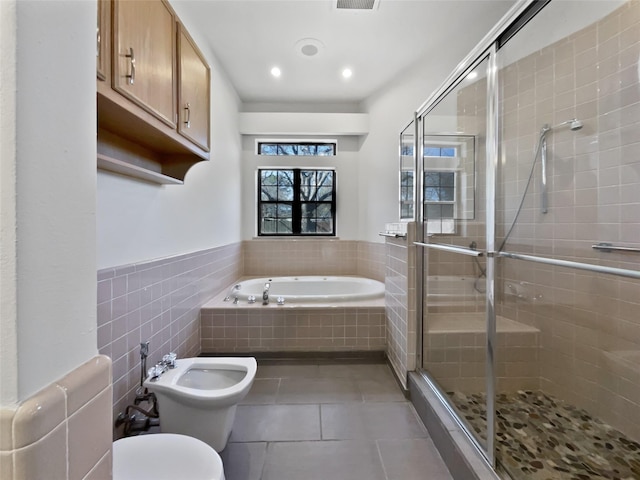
(199,396)
(165,456)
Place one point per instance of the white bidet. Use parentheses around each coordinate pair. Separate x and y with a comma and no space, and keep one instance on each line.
(199,397)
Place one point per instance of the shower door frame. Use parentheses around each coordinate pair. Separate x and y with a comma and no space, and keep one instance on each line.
(488,47)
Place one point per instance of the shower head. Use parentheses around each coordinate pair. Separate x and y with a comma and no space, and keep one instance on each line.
(574,124)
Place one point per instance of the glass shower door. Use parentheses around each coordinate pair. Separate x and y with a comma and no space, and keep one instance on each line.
(451,192)
(568,217)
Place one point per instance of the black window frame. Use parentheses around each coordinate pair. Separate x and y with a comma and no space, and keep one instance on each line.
(297,203)
(295,146)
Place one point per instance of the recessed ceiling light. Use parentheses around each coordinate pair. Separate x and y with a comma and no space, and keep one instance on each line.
(276,72)
(472,76)
(347,73)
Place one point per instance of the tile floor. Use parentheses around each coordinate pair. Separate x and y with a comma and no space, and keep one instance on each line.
(324,420)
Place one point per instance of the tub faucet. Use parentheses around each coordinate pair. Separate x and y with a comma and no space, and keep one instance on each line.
(265,293)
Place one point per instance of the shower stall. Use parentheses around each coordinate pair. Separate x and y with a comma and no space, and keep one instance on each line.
(525,173)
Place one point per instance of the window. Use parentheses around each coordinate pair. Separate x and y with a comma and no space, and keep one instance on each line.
(301,149)
(296,201)
(439,193)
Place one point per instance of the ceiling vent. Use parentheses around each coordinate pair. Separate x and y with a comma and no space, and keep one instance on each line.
(357,4)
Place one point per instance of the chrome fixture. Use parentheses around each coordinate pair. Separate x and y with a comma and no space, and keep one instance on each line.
(251,299)
(144,353)
(168,361)
(265,292)
(541,149)
(574,125)
(280,300)
(608,247)
(233,289)
(235,300)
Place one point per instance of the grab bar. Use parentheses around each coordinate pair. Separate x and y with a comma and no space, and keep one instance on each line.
(621,272)
(451,248)
(607,247)
(393,235)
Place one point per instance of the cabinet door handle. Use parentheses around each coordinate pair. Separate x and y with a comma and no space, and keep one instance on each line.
(132,60)
(98,42)
(187,121)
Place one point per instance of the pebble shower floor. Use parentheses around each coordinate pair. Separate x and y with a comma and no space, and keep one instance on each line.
(542,438)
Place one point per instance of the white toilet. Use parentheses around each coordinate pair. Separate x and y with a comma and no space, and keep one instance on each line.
(199,397)
(165,456)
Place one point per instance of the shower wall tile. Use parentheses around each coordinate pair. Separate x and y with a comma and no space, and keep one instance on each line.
(158,301)
(589,322)
(64,430)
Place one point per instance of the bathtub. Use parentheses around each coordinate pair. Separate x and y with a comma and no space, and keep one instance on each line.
(320,313)
(311,289)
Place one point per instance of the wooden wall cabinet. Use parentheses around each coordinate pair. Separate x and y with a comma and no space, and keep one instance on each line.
(103,37)
(193,91)
(143,128)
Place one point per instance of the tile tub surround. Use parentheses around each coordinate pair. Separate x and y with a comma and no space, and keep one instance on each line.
(157,301)
(63,432)
(318,420)
(348,326)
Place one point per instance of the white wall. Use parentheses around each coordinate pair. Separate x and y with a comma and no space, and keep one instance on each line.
(50,193)
(139,221)
(390,110)
(346,163)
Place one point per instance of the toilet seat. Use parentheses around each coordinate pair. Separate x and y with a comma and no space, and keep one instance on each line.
(165,456)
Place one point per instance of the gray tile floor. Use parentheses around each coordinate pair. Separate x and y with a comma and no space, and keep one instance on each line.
(347,421)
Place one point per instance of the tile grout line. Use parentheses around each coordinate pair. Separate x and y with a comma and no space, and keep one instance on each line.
(384,470)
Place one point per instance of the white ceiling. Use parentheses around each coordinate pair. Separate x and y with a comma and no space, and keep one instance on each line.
(249,37)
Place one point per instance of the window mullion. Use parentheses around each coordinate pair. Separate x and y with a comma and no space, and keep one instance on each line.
(297,204)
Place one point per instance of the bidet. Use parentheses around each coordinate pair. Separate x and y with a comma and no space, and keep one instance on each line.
(199,397)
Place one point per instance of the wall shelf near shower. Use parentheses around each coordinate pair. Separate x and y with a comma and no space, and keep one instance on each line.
(124,168)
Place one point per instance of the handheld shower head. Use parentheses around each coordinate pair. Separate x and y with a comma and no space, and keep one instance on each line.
(574,124)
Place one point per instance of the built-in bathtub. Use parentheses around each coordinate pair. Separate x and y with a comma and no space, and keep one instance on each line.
(309,289)
(320,313)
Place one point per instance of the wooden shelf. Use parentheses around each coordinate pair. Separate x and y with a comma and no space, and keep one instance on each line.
(118,166)
(121,123)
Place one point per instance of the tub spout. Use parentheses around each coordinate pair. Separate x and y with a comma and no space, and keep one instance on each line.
(265,293)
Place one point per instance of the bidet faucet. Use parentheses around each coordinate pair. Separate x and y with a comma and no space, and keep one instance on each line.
(265,293)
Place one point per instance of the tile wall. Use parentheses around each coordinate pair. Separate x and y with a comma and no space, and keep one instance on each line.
(160,301)
(157,301)
(400,303)
(590,323)
(63,432)
(266,257)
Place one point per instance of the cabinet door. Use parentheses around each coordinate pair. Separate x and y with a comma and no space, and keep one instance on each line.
(102,39)
(193,91)
(144,56)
